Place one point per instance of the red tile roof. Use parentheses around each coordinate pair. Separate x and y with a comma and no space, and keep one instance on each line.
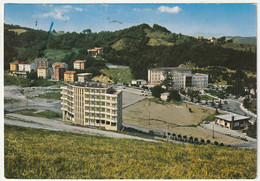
(42,67)
(79,61)
(58,63)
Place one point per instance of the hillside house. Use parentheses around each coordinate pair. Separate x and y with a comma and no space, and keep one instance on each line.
(44,72)
(80,64)
(95,51)
(83,77)
(232,121)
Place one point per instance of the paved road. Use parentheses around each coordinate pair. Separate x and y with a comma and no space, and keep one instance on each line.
(36,122)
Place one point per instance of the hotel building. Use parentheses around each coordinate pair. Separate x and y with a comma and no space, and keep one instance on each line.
(92,104)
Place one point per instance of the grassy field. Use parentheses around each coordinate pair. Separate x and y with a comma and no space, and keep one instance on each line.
(122,75)
(58,55)
(50,95)
(206,97)
(36,153)
(18,31)
(44,114)
(158,38)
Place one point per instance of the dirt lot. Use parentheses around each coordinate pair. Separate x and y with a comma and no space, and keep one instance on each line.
(181,120)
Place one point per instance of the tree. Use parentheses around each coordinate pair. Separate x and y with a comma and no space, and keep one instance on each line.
(220,105)
(156,91)
(167,82)
(174,95)
(87,31)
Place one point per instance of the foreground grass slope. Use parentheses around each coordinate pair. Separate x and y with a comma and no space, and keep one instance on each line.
(35,153)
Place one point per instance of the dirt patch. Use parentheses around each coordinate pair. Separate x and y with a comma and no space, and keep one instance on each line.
(181,121)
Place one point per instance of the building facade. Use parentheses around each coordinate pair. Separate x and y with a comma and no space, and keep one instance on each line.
(92,104)
(58,73)
(44,72)
(14,66)
(83,77)
(69,76)
(200,80)
(61,64)
(232,121)
(157,75)
(43,62)
(80,64)
(26,67)
(139,82)
(95,51)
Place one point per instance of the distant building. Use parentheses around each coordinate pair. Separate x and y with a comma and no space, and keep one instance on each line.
(95,51)
(92,104)
(80,64)
(157,75)
(165,96)
(26,67)
(43,62)
(83,77)
(58,73)
(139,82)
(14,66)
(199,80)
(228,40)
(181,77)
(69,76)
(232,121)
(199,37)
(44,72)
(62,64)
(211,39)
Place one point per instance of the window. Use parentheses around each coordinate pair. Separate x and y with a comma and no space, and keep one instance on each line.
(107,123)
(97,121)
(113,124)
(102,121)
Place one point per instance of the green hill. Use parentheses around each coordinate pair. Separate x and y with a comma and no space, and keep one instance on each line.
(43,154)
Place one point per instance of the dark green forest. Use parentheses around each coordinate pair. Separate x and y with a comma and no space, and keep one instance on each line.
(133,51)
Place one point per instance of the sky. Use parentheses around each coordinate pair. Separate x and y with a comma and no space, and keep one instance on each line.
(190,19)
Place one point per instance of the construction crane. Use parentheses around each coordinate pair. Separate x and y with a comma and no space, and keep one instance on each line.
(44,47)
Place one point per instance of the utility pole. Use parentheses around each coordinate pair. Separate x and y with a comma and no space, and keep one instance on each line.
(167,130)
(213,131)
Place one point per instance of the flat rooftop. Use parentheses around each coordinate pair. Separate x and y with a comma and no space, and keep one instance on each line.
(90,84)
(170,68)
(228,117)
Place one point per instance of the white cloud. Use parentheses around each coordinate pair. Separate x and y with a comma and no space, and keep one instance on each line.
(173,10)
(56,13)
(78,9)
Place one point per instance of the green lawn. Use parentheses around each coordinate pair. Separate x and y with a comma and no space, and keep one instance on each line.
(58,55)
(44,114)
(50,95)
(122,75)
(43,154)
(206,97)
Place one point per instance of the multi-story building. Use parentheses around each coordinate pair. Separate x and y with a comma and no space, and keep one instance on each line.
(44,72)
(69,76)
(43,62)
(58,73)
(14,66)
(95,51)
(62,64)
(83,77)
(199,37)
(80,64)
(26,67)
(92,104)
(200,80)
(157,75)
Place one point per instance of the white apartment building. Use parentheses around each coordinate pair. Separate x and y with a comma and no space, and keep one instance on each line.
(92,104)
(44,72)
(26,67)
(157,75)
(200,80)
